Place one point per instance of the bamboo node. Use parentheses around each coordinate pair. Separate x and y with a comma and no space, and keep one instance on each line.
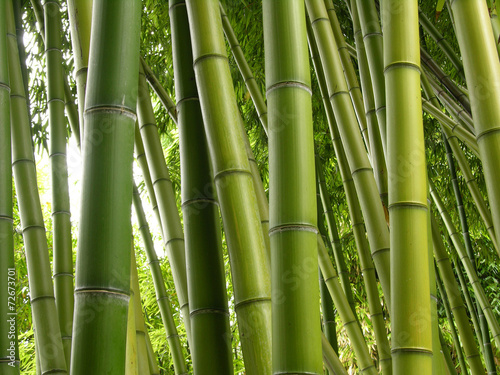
(293,227)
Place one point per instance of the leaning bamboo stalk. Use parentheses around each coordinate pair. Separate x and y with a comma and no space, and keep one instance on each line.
(347,316)
(454,299)
(469,269)
(410,290)
(41,288)
(234,184)
(62,244)
(293,214)
(9,357)
(209,313)
(246,72)
(367,267)
(330,358)
(173,236)
(162,297)
(153,365)
(464,167)
(482,71)
(103,257)
(361,171)
(376,148)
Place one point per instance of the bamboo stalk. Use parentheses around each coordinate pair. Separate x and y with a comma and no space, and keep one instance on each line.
(173,236)
(234,184)
(361,171)
(62,243)
(410,289)
(41,288)
(103,257)
(209,313)
(162,297)
(9,349)
(483,74)
(330,358)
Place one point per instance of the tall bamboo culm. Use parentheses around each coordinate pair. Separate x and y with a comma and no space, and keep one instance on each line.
(293,216)
(46,322)
(233,181)
(9,357)
(62,244)
(410,289)
(482,71)
(103,258)
(208,306)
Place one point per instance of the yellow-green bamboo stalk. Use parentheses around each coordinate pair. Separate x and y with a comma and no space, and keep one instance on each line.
(153,365)
(361,171)
(482,71)
(410,289)
(173,236)
(235,189)
(43,306)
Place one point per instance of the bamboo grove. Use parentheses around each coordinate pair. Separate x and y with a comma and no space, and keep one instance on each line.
(322,178)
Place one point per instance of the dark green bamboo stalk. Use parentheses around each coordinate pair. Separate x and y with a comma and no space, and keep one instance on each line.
(211,344)
(293,214)
(62,244)
(155,84)
(173,236)
(246,72)
(469,269)
(9,357)
(103,258)
(456,341)
(445,80)
(373,41)
(454,300)
(465,168)
(367,267)
(434,33)
(483,74)
(234,184)
(361,171)
(376,147)
(410,289)
(41,287)
(80,19)
(159,284)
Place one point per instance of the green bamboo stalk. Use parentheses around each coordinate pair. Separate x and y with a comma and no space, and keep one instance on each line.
(367,267)
(211,344)
(131,364)
(162,297)
(376,147)
(293,214)
(80,20)
(410,289)
(18,19)
(140,328)
(373,41)
(103,257)
(162,94)
(330,358)
(62,243)
(495,26)
(250,82)
(41,287)
(454,335)
(442,43)
(450,366)
(454,300)
(9,357)
(153,365)
(469,269)
(234,184)
(173,236)
(445,80)
(483,74)
(361,171)
(365,363)
(350,74)
(464,167)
